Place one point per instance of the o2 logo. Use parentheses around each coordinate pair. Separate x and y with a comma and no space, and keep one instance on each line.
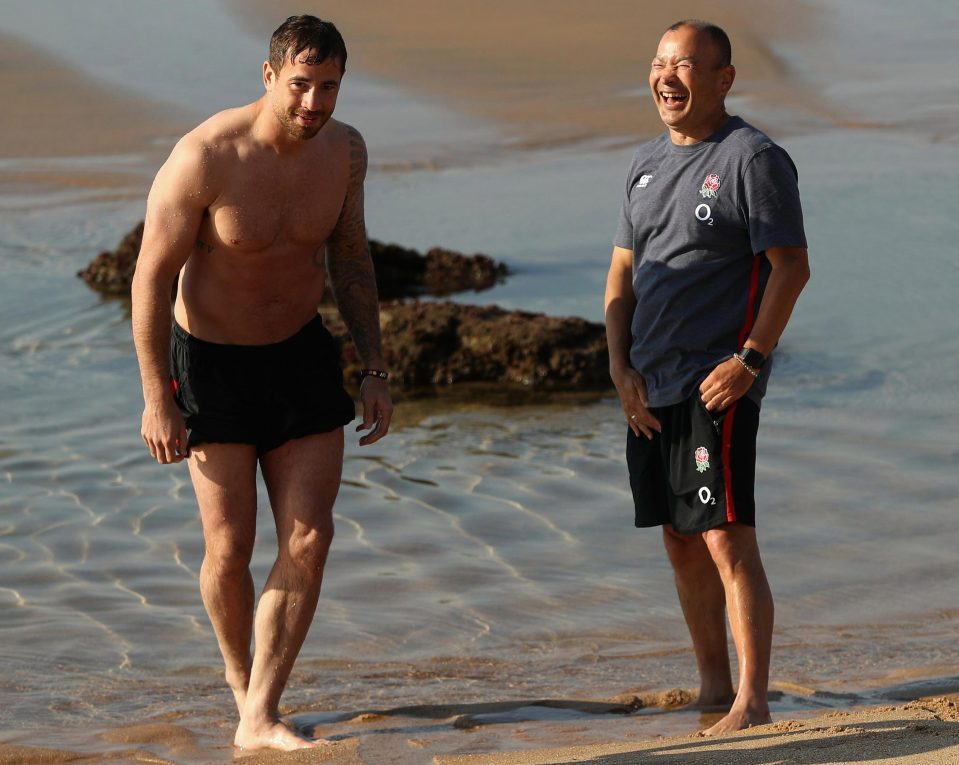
(704,213)
(705,495)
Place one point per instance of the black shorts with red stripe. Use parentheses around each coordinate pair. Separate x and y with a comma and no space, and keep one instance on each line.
(699,472)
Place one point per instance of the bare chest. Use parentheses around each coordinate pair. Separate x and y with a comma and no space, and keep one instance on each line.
(261,210)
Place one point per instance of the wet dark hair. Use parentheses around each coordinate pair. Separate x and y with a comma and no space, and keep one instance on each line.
(306,33)
(719,38)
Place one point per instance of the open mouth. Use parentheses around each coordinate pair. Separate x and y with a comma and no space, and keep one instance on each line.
(673,99)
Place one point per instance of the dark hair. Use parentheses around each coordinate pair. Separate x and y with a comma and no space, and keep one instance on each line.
(306,33)
(719,38)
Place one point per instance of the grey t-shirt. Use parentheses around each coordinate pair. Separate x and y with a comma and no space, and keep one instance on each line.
(698,220)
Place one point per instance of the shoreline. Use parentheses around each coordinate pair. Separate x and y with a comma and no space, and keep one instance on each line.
(922,731)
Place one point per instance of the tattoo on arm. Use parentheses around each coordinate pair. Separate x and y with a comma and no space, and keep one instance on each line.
(349,264)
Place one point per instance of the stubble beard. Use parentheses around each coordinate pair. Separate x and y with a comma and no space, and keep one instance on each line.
(297,131)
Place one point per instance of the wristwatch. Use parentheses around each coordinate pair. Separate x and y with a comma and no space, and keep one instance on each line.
(751,357)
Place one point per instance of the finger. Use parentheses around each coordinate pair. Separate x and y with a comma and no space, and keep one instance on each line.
(386,417)
(373,436)
(169,448)
(368,418)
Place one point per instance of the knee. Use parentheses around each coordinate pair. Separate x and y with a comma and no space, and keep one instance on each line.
(682,549)
(731,548)
(308,548)
(228,556)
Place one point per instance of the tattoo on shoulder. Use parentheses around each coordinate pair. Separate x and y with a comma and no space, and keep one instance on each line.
(358,158)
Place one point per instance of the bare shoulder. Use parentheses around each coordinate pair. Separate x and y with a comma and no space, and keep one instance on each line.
(222,137)
(349,144)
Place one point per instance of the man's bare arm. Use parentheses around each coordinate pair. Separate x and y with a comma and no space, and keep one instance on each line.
(353,280)
(620,304)
(175,209)
(729,381)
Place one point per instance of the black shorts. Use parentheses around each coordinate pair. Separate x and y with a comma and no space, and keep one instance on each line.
(259,394)
(699,473)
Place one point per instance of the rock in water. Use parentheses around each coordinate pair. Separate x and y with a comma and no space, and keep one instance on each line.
(429,344)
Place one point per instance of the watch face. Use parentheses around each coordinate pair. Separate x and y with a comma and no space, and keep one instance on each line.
(752,358)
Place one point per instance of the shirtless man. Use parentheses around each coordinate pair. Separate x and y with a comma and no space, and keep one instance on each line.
(253,209)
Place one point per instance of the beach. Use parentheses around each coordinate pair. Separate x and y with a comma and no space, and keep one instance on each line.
(487,599)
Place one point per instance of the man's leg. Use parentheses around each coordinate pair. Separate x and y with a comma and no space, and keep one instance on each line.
(224,478)
(735,550)
(703,601)
(303,478)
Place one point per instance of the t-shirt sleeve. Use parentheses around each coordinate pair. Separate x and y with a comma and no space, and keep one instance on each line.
(773,210)
(624,228)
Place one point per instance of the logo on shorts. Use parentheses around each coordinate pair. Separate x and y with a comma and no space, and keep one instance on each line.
(711,186)
(702,459)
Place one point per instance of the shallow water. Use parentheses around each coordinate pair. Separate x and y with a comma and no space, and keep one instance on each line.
(486,554)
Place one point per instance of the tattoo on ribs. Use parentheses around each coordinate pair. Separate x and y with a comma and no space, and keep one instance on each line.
(203,245)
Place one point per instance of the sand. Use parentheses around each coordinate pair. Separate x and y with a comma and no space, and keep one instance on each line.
(924,731)
(51,112)
(579,74)
(921,732)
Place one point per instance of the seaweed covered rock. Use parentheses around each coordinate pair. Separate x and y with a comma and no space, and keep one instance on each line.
(400,272)
(429,344)
(112,271)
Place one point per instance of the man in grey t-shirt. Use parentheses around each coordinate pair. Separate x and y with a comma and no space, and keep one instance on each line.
(708,261)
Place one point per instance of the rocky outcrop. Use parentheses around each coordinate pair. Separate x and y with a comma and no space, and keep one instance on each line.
(112,271)
(430,344)
(400,272)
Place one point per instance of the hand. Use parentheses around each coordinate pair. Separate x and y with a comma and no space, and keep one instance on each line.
(632,396)
(377,409)
(725,385)
(164,432)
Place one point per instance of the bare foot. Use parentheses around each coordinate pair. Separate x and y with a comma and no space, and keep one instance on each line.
(274,734)
(740,717)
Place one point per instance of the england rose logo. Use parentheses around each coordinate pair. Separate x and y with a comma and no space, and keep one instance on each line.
(711,186)
(702,459)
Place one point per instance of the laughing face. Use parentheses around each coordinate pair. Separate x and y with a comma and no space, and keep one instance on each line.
(689,85)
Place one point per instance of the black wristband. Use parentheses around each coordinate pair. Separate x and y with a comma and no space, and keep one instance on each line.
(751,357)
(374,373)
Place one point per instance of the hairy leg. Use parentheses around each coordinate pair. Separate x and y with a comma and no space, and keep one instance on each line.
(303,478)
(749,601)
(703,601)
(224,478)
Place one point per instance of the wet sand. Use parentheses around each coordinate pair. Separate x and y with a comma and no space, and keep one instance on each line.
(51,113)
(575,73)
(920,732)
(924,732)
